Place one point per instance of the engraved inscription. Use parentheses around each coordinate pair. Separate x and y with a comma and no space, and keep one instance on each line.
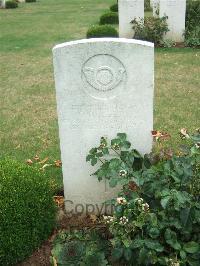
(103,73)
(171,2)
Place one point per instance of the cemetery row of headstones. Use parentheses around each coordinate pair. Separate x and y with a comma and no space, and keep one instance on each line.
(173,9)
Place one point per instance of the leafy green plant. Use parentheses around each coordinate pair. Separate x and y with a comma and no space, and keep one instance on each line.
(100,31)
(11,4)
(109,18)
(27,210)
(192,17)
(192,30)
(157,213)
(192,38)
(114,8)
(156,217)
(150,29)
(30,1)
(86,247)
(167,43)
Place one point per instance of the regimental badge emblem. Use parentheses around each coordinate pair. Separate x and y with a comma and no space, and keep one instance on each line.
(103,75)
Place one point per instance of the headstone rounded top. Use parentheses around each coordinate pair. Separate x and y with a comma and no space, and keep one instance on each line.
(105,40)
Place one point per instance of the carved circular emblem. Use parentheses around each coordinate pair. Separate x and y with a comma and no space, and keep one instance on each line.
(103,76)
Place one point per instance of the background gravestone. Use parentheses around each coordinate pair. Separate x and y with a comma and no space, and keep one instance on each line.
(128,10)
(103,86)
(175,10)
(2,3)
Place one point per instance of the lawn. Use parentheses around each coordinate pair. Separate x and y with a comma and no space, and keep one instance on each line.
(28,120)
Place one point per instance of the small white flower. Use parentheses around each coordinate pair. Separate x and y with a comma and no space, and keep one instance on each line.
(145,207)
(122,173)
(108,219)
(115,146)
(123,220)
(197,145)
(139,201)
(174,263)
(121,201)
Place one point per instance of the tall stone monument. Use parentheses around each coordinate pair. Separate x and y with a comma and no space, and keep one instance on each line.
(103,86)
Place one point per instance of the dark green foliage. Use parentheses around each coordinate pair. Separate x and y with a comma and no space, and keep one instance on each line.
(109,18)
(85,247)
(100,31)
(30,1)
(114,8)
(192,38)
(147,6)
(192,30)
(192,18)
(150,29)
(11,4)
(156,219)
(27,210)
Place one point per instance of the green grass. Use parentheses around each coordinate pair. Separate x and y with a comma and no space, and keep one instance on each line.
(28,120)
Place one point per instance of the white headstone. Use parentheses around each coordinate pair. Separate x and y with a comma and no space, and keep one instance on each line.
(2,3)
(175,10)
(103,86)
(129,10)
(155,6)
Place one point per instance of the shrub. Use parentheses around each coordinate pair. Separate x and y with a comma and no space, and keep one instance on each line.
(27,210)
(192,30)
(99,31)
(192,18)
(156,216)
(109,18)
(150,29)
(192,38)
(30,1)
(11,4)
(167,43)
(114,8)
(156,219)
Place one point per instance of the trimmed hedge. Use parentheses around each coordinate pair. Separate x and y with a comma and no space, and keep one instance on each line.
(100,31)
(109,18)
(114,8)
(27,210)
(11,4)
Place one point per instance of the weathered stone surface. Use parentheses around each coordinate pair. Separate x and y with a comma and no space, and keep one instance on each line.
(175,10)
(128,10)
(103,86)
